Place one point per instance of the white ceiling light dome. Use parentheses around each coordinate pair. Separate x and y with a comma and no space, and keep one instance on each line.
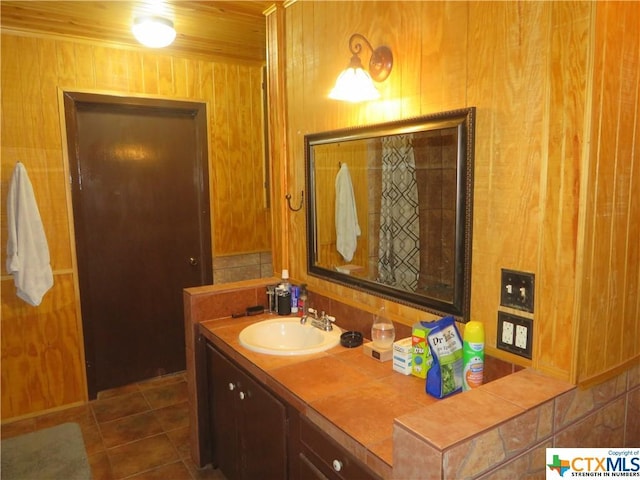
(154,32)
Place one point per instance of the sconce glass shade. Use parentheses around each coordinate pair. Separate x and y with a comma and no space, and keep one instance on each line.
(154,32)
(354,84)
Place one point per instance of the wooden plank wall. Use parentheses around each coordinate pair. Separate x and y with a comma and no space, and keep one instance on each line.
(327,167)
(609,297)
(527,68)
(42,352)
(278,161)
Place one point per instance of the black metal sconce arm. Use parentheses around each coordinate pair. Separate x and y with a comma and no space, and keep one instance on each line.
(381,60)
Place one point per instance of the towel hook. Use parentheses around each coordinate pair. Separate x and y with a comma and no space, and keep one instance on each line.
(288,197)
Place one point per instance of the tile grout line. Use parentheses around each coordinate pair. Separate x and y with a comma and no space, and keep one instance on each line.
(164,432)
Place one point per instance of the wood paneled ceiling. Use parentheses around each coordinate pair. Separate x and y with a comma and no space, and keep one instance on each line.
(233,30)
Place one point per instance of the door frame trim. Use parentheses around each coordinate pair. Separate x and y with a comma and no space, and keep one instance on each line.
(132,99)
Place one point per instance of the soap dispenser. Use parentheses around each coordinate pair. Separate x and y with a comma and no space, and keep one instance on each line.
(383,332)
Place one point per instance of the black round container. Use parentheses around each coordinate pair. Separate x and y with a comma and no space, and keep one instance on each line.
(351,339)
(283,305)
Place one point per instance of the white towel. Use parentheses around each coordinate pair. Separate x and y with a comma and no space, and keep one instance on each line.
(27,249)
(347,227)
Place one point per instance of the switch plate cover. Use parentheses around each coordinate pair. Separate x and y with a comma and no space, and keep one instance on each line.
(515,334)
(517,290)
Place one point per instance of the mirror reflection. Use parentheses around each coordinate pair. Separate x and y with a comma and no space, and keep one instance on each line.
(389,209)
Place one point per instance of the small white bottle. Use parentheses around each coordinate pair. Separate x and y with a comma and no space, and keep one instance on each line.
(285,280)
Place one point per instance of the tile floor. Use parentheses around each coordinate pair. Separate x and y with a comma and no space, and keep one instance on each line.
(139,431)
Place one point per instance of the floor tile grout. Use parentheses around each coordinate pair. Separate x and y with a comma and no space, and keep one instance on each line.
(153,396)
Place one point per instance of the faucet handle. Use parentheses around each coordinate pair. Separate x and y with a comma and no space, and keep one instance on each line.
(312,311)
(327,321)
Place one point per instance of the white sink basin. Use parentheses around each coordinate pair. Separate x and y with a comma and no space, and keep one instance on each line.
(287,336)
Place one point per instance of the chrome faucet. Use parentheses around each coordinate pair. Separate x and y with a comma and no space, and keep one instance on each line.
(310,311)
(325,322)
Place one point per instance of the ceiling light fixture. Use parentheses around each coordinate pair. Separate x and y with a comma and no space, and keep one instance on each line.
(154,32)
(355,84)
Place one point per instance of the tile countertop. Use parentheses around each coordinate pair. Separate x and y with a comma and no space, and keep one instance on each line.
(357,399)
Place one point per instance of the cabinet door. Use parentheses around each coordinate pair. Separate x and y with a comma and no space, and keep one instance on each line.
(248,424)
(264,433)
(223,394)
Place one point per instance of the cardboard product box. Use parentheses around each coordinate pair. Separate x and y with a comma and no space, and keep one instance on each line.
(421,355)
(403,346)
(403,356)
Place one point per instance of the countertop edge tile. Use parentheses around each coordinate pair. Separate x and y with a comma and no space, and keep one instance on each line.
(527,388)
(230,287)
(473,412)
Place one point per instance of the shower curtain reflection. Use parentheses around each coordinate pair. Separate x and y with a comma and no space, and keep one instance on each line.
(399,245)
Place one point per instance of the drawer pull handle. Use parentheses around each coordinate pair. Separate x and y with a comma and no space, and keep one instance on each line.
(232,387)
(241,395)
(337,465)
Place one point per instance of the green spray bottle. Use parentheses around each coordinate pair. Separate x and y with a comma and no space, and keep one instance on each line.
(472,355)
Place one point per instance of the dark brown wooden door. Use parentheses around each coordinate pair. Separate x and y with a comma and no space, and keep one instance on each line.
(141,216)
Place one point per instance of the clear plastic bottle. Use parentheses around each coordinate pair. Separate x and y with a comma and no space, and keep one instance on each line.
(302,301)
(383,332)
(295,292)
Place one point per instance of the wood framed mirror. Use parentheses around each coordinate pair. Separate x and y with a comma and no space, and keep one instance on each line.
(390,207)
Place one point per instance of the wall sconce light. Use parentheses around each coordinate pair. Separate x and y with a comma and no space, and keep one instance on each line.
(154,32)
(355,84)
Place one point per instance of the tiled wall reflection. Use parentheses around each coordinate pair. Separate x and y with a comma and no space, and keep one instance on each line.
(234,268)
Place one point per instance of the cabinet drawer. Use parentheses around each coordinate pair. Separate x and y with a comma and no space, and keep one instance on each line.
(329,456)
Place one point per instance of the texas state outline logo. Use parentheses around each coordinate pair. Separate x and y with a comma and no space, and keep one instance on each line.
(559,465)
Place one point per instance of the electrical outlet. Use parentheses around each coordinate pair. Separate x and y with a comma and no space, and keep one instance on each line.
(517,290)
(507,332)
(521,337)
(515,334)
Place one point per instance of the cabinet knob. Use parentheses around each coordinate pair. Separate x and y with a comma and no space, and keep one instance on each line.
(241,395)
(232,387)
(337,465)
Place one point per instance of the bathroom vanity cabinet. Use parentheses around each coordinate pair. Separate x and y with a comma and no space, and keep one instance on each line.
(256,434)
(248,425)
(327,393)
